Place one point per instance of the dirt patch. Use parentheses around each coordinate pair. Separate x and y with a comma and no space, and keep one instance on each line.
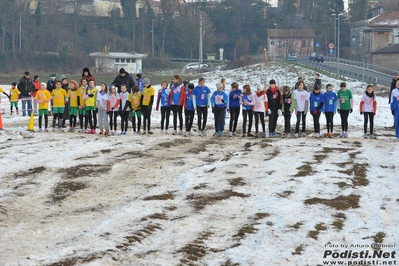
(201,146)
(84,170)
(340,203)
(201,186)
(357,171)
(298,250)
(250,228)
(138,236)
(65,189)
(170,144)
(78,260)
(239,181)
(199,201)
(32,171)
(318,227)
(296,226)
(159,216)
(195,250)
(304,170)
(285,193)
(135,154)
(167,196)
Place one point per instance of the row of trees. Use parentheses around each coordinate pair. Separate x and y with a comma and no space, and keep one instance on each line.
(49,38)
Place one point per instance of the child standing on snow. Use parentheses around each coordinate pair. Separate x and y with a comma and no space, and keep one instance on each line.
(147,100)
(176,102)
(60,97)
(219,102)
(73,104)
(89,97)
(43,97)
(368,108)
(164,101)
(260,107)
(247,102)
(316,107)
(201,95)
(330,107)
(395,108)
(124,108)
(189,109)
(345,106)
(103,108)
(14,96)
(234,108)
(301,107)
(81,105)
(275,102)
(113,102)
(288,107)
(135,107)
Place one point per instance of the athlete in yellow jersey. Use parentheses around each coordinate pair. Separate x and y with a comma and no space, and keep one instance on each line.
(43,97)
(73,104)
(14,96)
(90,97)
(135,108)
(147,100)
(60,97)
(81,104)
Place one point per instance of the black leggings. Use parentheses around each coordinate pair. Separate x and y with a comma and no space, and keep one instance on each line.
(344,120)
(366,116)
(189,115)
(330,123)
(165,113)
(124,120)
(45,121)
(146,111)
(316,122)
(202,116)
(273,119)
(298,121)
(260,115)
(234,114)
(177,110)
(287,122)
(113,120)
(247,114)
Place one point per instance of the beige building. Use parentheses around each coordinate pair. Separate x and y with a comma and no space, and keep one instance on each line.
(281,42)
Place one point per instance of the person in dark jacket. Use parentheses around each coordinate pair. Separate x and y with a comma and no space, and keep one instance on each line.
(26,87)
(65,86)
(86,74)
(123,78)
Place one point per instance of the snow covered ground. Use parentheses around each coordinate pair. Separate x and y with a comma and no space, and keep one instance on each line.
(74,199)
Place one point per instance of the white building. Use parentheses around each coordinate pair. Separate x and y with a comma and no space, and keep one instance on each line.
(112,62)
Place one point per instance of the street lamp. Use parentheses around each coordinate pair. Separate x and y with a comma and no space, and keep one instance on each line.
(275,37)
(336,17)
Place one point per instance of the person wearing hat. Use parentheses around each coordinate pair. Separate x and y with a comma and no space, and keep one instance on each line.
(14,96)
(36,84)
(26,87)
(86,74)
(123,78)
(139,82)
(51,83)
(275,99)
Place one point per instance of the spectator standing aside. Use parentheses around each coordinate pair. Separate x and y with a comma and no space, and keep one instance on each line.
(50,88)
(123,78)
(317,80)
(36,84)
(201,99)
(26,87)
(393,86)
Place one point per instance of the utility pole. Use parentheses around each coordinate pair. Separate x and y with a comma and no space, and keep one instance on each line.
(20,31)
(152,36)
(200,42)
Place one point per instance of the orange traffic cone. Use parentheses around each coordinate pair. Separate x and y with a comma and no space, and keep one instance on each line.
(1,121)
(31,124)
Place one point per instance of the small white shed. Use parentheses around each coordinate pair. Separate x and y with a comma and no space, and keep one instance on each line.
(111,62)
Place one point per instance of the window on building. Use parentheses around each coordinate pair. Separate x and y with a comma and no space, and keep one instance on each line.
(116,60)
(127,60)
(303,43)
(280,44)
(122,60)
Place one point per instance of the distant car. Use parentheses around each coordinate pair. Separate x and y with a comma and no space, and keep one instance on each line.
(312,56)
(319,58)
(292,57)
(195,65)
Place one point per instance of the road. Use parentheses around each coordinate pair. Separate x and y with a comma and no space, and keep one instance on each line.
(355,72)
